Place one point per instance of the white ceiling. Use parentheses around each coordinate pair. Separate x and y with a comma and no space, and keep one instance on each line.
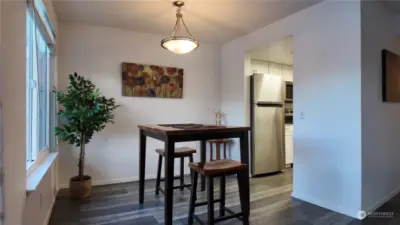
(280,51)
(215,21)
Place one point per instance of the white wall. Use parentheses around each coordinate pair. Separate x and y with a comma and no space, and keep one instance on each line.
(380,121)
(97,53)
(327,68)
(18,208)
(1,128)
(260,66)
(39,204)
(13,100)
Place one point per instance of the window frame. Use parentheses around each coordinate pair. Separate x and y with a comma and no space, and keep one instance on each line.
(34,155)
(31,84)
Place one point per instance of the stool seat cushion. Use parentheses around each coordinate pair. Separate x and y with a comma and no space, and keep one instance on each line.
(217,167)
(179,152)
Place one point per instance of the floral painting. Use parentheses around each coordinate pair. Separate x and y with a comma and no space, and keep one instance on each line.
(151,81)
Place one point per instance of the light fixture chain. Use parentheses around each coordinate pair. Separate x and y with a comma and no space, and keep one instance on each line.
(176,28)
(182,43)
(187,30)
(179,18)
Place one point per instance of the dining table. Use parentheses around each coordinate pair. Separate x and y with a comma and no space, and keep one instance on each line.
(186,132)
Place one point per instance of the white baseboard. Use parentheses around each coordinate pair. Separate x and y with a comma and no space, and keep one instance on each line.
(116,181)
(383,200)
(104,182)
(50,210)
(327,205)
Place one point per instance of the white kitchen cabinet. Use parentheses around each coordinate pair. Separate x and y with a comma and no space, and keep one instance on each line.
(287,73)
(258,66)
(275,68)
(289,143)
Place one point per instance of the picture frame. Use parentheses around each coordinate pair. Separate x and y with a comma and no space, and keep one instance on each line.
(390,76)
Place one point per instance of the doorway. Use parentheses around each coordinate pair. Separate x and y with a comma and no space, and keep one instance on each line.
(271,65)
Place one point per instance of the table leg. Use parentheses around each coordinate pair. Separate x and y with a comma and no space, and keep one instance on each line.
(244,156)
(169,181)
(142,165)
(203,151)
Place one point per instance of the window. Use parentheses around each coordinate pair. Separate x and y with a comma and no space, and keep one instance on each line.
(38,65)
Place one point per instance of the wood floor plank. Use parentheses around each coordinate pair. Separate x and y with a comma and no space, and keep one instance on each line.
(271,204)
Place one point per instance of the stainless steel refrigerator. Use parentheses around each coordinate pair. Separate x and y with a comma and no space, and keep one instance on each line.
(267,123)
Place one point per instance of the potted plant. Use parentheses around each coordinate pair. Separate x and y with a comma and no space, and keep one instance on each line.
(84,112)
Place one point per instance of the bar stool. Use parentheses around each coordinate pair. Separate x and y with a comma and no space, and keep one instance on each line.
(181,153)
(218,143)
(219,168)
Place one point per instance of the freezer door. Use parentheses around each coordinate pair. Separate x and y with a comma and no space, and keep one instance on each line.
(268,146)
(268,88)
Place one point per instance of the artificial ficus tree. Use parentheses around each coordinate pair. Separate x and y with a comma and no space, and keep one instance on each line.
(84,112)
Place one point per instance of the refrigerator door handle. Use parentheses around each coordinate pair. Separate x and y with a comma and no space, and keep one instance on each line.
(269,104)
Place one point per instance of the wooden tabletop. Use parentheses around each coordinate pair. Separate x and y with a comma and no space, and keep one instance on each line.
(190,128)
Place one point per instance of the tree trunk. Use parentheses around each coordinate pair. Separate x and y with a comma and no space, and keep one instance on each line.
(81,164)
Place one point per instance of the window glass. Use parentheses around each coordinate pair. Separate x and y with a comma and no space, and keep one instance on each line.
(38,60)
(42,68)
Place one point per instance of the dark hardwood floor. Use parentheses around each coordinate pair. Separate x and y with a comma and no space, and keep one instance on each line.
(271,204)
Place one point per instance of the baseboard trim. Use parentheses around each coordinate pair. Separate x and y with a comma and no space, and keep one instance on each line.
(116,181)
(50,210)
(105,182)
(327,205)
(383,200)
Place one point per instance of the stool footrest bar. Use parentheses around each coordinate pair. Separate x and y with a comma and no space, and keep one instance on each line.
(195,217)
(223,218)
(228,210)
(205,202)
(175,178)
(185,186)
(188,186)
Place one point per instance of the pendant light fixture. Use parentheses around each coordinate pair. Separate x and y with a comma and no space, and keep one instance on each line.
(179,44)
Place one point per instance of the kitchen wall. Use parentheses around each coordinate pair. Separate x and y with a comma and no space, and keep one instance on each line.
(327,64)
(380,123)
(97,53)
(260,66)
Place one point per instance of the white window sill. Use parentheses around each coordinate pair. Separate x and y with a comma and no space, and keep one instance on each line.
(29,166)
(40,157)
(35,177)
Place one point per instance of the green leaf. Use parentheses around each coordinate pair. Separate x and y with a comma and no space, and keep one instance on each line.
(84,110)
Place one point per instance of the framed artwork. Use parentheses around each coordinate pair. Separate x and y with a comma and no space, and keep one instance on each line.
(140,80)
(390,76)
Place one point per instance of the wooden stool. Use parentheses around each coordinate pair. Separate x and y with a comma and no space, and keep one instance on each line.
(218,143)
(178,153)
(219,168)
